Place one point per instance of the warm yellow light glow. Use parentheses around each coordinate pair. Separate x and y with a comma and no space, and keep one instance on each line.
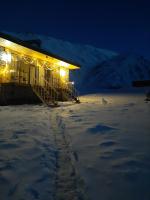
(35,54)
(62,72)
(7,42)
(63,64)
(5,57)
(5,70)
(8,57)
(12,71)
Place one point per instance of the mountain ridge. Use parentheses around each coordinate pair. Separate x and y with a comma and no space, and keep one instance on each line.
(120,72)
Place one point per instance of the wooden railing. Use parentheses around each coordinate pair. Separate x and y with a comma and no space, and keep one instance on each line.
(71,93)
(46,91)
(52,90)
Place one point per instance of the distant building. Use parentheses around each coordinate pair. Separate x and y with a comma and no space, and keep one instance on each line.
(29,74)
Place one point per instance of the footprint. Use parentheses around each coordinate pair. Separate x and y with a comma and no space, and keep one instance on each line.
(71,111)
(108,143)
(114,154)
(21,132)
(78,120)
(100,129)
(125,109)
(8,146)
(129,165)
(74,116)
(6,166)
(130,105)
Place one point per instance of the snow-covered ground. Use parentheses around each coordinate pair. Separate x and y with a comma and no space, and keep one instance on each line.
(109,137)
(27,153)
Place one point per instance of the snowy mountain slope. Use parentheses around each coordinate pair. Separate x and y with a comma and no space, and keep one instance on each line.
(119,72)
(85,55)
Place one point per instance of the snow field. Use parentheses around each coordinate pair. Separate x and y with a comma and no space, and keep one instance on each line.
(110,135)
(106,137)
(27,153)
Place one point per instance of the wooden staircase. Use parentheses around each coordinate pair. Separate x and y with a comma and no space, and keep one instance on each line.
(47,93)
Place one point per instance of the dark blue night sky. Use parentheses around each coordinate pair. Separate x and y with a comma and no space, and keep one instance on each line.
(119,25)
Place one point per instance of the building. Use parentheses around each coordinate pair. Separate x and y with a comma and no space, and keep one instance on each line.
(29,74)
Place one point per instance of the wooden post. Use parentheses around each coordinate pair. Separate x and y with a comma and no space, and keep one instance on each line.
(19,72)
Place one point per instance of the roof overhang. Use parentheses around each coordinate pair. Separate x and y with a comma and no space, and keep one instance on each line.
(21,47)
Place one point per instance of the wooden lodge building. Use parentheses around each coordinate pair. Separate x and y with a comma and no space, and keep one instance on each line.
(29,74)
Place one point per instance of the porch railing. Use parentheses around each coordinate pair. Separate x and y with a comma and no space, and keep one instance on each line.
(46,91)
(51,91)
(70,92)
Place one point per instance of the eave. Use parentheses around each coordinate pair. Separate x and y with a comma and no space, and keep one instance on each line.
(22,47)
